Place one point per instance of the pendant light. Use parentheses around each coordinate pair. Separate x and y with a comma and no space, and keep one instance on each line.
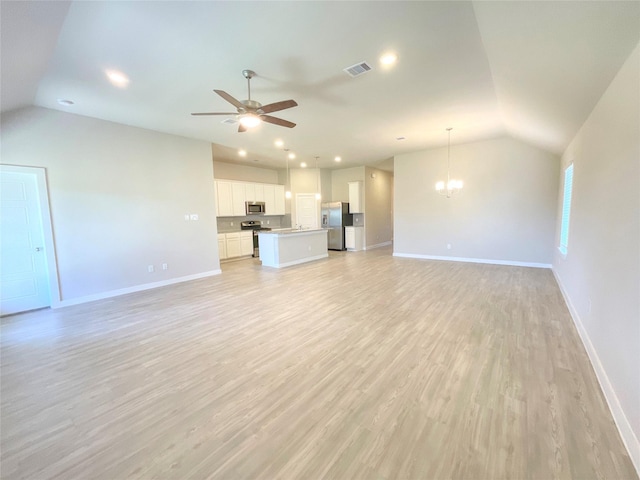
(287,194)
(452,186)
(318,194)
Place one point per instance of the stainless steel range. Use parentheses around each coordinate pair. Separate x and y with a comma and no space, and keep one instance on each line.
(256,227)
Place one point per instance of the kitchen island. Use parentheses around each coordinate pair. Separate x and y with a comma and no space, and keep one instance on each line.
(286,247)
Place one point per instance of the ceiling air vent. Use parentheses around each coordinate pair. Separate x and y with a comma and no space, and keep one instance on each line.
(358,69)
(229,121)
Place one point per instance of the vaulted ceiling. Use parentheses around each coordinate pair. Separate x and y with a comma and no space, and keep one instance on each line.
(533,70)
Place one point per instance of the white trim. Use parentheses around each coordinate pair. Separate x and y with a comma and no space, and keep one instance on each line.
(474,260)
(47,228)
(377,245)
(301,260)
(620,419)
(136,288)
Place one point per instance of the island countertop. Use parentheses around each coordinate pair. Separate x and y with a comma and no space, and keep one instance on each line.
(286,247)
(290,231)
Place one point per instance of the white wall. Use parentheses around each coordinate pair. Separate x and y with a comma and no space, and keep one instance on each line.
(600,275)
(340,182)
(118,197)
(303,180)
(505,213)
(244,173)
(378,197)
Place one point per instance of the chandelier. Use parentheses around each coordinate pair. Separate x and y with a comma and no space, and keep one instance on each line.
(452,186)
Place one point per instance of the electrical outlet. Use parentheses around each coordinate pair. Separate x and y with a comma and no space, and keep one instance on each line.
(165,266)
(150,269)
(187,217)
(268,222)
(231,224)
(448,246)
(194,216)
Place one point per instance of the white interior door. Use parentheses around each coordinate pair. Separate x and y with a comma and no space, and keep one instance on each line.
(306,210)
(24,280)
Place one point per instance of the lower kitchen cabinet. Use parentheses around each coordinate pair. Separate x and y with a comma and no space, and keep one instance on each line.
(246,242)
(222,246)
(235,244)
(354,238)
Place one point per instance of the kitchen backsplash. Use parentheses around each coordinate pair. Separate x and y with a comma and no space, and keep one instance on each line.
(232,224)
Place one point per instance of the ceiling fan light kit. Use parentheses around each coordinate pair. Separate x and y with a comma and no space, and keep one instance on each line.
(251,113)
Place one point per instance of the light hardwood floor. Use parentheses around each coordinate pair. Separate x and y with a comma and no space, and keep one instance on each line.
(361,366)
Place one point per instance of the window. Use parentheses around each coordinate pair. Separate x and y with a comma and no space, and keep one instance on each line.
(566,209)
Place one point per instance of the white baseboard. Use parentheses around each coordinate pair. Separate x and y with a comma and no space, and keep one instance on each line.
(377,245)
(136,288)
(474,260)
(302,260)
(624,427)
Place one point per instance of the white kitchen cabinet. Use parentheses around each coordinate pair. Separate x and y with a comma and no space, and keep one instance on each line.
(233,245)
(356,203)
(231,197)
(259,188)
(270,199)
(279,200)
(250,192)
(246,242)
(224,199)
(222,246)
(353,238)
(238,195)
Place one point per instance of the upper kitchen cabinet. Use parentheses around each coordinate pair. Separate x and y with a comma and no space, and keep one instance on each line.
(356,203)
(279,203)
(224,199)
(231,197)
(250,192)
(270,199)
(259,189)
(239,197)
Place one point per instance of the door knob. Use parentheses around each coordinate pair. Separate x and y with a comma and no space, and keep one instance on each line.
(39,249)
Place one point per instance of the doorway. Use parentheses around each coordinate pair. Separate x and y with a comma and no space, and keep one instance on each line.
(28,272)
(306,210)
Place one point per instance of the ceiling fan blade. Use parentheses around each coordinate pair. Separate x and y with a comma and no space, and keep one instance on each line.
(241,128)
(230,99)
(275,107)
(215,113)
(277,121)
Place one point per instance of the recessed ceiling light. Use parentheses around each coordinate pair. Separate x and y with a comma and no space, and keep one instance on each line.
(338,159)
(292,156)
(303,165)
(278,143)
(64,102)
(388,59)
(242,153)
(119,79)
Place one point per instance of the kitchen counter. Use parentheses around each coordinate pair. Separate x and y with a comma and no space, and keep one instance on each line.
(285,247)
(289,231)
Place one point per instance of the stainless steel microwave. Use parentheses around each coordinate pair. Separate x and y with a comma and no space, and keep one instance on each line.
(254,208)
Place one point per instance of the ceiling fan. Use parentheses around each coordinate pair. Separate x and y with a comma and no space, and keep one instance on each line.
(250,113)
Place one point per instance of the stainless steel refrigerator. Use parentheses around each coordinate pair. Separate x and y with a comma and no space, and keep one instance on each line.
(336,216)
